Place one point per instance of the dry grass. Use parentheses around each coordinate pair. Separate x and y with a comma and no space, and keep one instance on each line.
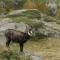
(58,13)
(49,49)
(34,5)
(30,5)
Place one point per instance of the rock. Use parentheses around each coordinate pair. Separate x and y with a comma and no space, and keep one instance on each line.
(32,55)
(7,26)
(52,7)
(36,58)
(22,26)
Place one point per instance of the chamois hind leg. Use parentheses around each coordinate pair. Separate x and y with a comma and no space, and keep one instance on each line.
(7,44)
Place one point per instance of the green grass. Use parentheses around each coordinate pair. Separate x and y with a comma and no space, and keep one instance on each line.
(12,54)
(27,21)
(20,19)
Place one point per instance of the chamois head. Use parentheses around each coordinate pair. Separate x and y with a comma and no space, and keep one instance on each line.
(29,30)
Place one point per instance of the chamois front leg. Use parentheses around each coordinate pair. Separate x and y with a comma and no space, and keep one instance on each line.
(21,49)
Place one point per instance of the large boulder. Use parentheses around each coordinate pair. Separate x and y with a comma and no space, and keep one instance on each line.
(52,7)
(22,26)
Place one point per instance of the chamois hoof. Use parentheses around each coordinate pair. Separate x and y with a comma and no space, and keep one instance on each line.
(21,53)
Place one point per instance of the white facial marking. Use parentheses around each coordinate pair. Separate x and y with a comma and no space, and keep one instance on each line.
(29,33)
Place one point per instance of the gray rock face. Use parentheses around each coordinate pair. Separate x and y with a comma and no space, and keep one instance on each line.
(52,7)
(7,26)
(36,58)
(51,29)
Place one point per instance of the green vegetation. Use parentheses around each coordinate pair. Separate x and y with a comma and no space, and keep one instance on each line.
(33,14)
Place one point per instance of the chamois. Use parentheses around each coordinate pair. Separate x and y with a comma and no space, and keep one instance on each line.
(17,37)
